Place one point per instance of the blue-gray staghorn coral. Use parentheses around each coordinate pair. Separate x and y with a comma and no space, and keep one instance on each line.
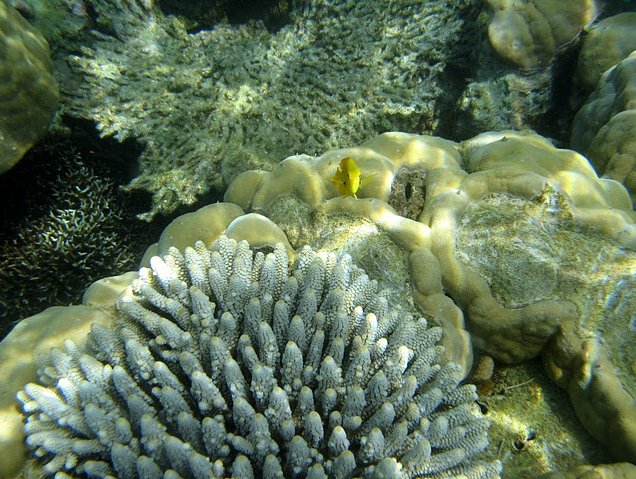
(227,362)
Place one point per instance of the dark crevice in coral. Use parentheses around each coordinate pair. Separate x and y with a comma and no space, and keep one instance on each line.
(613,7)
(273,13)
(119,157)
(556,122)
(454,82)
(202,15)
(458,71)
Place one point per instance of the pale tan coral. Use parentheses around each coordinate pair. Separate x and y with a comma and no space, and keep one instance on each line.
(18,361)
(604,127)
(103,292)
(523,163)
(205,224)
(259,231)
(607,43)
(529,32)
(511,166)
(28,92)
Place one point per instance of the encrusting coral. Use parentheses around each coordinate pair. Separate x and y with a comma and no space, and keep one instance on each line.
(231,362)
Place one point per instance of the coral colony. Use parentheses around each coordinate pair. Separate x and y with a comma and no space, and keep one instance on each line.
(229,362)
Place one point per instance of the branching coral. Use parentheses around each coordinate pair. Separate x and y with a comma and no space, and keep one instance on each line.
(61,232)
(228,362)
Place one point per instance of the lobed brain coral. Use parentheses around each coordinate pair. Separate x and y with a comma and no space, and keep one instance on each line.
(565,298)
(529,32)
(232,362)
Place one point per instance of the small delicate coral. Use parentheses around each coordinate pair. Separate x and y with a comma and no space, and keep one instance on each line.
(62,231)
(229,362)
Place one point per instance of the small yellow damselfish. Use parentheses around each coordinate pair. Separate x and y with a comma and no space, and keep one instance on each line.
(348,178)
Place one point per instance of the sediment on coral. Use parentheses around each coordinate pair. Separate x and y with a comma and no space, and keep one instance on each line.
(230,362)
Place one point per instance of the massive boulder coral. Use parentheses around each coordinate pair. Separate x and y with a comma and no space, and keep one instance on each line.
(554,194)
(28,91)
(228,361)
(529,32)
(603,129)
(606,43)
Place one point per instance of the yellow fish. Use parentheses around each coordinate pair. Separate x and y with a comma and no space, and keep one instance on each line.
(348,178)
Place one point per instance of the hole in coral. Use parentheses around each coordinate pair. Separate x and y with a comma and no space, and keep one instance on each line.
(408,191)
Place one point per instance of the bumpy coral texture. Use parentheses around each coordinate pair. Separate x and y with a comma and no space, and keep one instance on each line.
(247,96)
(28,91)
(224,364)
(70,224)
